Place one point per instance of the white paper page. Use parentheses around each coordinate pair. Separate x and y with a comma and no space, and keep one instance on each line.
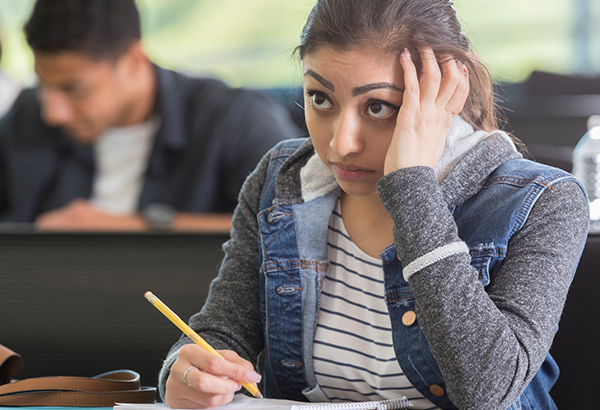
(240,401)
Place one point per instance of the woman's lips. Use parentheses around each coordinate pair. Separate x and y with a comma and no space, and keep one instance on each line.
(350,171)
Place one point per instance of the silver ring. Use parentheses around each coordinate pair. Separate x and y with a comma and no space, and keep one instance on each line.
(186,373)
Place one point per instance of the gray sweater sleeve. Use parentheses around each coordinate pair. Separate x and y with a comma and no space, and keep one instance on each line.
(489,343)
(230,318)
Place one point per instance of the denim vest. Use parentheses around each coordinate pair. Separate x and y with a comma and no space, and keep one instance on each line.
(294,262)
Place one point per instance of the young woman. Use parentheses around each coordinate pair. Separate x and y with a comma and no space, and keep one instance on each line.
(405,249)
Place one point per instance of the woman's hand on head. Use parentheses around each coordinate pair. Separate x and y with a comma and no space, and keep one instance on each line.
(210,382)
(431,99)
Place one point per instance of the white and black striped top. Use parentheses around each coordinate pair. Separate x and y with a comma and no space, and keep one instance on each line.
(354,358)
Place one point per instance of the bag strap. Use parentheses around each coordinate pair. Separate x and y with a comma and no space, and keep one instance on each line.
(103,390)
(10,364)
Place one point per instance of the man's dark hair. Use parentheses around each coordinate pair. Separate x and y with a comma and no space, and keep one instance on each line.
(100,29)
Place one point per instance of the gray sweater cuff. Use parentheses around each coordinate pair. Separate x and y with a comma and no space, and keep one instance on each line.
(163,375)
(424,230)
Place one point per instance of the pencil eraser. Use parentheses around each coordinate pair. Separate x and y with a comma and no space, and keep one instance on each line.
(150,296)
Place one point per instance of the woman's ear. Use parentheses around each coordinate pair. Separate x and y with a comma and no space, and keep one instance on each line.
(464,87)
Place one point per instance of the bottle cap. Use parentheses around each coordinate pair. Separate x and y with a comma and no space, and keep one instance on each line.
(593,121)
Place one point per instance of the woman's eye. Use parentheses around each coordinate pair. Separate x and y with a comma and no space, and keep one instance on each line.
(319,101)
(379,110)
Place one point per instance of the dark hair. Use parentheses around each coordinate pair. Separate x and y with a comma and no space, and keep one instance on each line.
(100,29)
(391,26)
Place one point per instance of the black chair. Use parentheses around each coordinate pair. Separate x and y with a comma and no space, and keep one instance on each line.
(576,345)
(549,113)
(73,304)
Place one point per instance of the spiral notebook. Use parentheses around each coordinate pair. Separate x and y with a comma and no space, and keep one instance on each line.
(241,401)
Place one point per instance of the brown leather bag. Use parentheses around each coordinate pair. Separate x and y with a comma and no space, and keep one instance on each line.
(104,390)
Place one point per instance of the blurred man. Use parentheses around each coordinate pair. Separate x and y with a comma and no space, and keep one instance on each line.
(109,140)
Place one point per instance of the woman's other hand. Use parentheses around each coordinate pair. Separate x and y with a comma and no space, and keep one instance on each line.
(431,99)
(201,380)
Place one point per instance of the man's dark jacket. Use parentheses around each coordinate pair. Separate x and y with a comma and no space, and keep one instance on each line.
(210,138)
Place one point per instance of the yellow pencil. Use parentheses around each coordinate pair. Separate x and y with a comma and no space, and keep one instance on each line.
(191,334)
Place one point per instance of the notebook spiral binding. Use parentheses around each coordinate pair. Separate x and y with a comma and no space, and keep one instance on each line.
(389,404)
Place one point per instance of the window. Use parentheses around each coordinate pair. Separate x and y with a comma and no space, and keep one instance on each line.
(251,42)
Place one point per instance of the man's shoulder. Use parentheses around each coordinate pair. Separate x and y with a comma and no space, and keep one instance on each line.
(23,120)
(188,85)
(26,103)
(208,92)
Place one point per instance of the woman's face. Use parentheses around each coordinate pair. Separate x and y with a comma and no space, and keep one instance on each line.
(352,100)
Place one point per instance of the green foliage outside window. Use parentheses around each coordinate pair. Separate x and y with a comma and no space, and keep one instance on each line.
(250,42)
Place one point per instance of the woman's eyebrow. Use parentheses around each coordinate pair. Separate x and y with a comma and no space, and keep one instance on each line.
(327,84)
(375,86)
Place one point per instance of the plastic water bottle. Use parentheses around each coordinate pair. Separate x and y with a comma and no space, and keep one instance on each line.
(586,167)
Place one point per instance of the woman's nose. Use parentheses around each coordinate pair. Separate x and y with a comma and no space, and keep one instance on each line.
(346,135)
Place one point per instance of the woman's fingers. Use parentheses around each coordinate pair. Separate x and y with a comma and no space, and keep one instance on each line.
(456,103)
(431,76)
(194,399)
(411,96)
(451,80)
(233,357)
(202,391)
(239,370)
(205,382)
(446,88)
(202,380)
(431,97)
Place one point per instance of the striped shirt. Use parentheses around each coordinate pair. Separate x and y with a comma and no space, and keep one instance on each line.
(354,357)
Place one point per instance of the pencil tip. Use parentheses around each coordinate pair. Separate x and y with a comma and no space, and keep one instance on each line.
(258,395)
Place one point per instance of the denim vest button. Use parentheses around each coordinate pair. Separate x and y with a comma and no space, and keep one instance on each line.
(289,364)
(286,290)
(409,318)
(437,391)
(275,215)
